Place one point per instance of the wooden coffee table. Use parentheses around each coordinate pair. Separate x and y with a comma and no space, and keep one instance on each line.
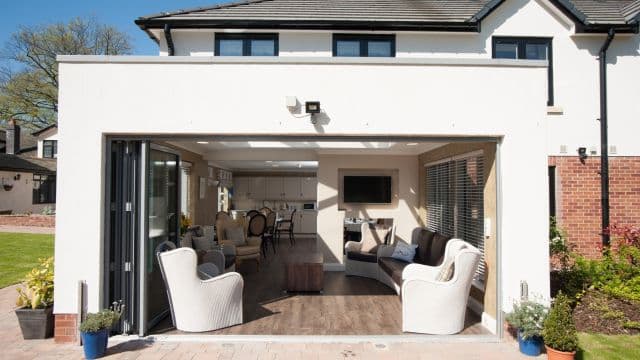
(304,271)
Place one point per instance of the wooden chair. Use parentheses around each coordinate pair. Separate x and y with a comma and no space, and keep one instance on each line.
(268,236)
(287,227)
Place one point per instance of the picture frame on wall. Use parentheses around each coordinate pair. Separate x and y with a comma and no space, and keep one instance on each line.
(203,187)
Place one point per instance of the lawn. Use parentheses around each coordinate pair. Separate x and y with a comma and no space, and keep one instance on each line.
(19,253)
(609,347)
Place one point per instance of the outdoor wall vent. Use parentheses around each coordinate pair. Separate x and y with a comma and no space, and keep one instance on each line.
(563,149)
(291,101)
(613,149)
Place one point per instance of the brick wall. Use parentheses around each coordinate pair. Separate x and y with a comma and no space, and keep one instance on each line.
(578,197)
(48,221)
(65,328)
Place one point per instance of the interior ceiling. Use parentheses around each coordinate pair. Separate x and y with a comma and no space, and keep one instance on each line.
(277,155)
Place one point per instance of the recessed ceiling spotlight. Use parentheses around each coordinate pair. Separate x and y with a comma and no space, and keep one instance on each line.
(412,144)
(202,142)
(299,166)
(275,165)
(269,161)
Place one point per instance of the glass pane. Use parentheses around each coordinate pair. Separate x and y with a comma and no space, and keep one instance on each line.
(266,47)
(505,50)
(379,48)
(536,51)
(348,48)
(230,47)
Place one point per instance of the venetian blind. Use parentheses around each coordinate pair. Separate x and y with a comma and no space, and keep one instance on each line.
(455,201)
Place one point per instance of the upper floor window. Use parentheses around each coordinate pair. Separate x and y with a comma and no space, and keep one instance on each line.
(50,149)
(528,48)
(355,45)
(246,44)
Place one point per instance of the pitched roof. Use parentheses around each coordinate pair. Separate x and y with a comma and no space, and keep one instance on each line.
(27,164)
(40,131)
(28,142)
(455,15)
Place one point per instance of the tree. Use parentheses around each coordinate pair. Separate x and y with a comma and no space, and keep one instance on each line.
(30,94)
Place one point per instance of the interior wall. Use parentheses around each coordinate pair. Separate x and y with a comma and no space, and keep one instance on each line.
(203,210)
(404,209)
(489,296)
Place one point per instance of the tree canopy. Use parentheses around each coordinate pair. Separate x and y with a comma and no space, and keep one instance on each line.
(29,75)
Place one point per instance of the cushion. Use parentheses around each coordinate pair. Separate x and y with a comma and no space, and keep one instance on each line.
(362,256)
(446,272)
(393,268)
(404,252)
(208,271)
(186,240)
(202,243)
(235,234)
(197,230)
(247,250)
(436,254)
(423,239)
(373,238)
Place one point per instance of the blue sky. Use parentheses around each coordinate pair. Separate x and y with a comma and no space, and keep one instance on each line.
(119,13)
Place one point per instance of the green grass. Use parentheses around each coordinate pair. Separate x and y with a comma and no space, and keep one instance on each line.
(19,253)
(608,347)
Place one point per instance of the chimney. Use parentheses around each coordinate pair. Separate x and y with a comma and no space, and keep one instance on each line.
(13,138)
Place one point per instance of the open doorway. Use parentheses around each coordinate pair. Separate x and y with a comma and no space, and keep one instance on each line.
(303,181)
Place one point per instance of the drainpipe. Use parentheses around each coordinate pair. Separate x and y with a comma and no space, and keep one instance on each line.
(604,139)
(167,36)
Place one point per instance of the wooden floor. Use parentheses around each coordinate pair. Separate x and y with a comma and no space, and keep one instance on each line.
(349,305)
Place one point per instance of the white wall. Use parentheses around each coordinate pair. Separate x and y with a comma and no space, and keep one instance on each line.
(375,97)
(576,81)
(20,198)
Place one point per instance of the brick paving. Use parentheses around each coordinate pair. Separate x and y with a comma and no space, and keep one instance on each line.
(12,346)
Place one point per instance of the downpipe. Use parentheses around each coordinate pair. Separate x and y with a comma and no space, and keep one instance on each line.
(604,140)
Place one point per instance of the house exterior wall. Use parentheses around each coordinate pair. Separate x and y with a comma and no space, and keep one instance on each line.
(411,97)
(578,198)
(20,198)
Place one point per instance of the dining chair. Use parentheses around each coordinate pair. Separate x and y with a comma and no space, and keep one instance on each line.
(286,226)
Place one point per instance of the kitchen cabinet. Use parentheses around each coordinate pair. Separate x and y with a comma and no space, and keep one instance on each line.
(257,188)
(241,188)
(307,222)
(308,188)
(291,188)
(273,189)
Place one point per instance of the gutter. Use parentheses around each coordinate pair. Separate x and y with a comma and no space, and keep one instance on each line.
(604,139)
(167,36)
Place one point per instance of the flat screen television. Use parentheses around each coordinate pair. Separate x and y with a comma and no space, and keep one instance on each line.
(367,189)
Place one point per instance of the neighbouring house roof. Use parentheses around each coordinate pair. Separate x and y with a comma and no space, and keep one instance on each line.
(28,142)
(27,164)
(452,15)
(44,129)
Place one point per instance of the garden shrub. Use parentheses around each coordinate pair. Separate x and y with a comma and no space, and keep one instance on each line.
(559,330)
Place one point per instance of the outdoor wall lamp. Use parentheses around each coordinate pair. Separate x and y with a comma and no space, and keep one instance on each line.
(17,177)
(313,108)
(582,153)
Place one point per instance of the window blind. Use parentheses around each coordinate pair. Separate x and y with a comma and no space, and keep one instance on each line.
(455,201)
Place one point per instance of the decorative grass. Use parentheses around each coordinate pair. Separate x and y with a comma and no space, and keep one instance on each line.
(19,253)
(608,347)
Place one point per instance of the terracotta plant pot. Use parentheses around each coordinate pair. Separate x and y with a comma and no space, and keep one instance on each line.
(554,354)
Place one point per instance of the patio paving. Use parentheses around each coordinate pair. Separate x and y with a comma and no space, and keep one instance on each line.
(12,346)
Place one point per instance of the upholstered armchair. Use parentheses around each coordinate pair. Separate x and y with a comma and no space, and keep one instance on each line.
(200,305)
(434,298)
(361,256)
(205,248)
(234,233)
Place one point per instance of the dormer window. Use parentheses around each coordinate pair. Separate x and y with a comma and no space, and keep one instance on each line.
(246,44)
(355,45)
(49,149)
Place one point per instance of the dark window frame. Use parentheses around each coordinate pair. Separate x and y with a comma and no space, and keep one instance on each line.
(246,42)
(521,42)
(53,144)
(363,39)
(44,179)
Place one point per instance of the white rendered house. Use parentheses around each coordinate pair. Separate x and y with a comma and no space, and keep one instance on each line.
(482,97)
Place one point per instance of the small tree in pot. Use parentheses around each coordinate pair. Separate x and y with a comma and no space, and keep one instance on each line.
(560,334)
(35,301)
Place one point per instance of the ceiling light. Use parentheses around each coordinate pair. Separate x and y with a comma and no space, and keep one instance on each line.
(412,144)
(275,165)
(269,161)
(202,142)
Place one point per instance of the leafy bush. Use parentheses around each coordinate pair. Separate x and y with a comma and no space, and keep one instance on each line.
(37,292)
(104,319)
(528,317)
(559,329)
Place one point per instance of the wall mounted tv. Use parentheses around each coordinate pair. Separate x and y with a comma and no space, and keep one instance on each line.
(367,189)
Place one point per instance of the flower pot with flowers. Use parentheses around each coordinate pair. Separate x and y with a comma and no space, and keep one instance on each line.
(528,317)
(95,328)
(560,334)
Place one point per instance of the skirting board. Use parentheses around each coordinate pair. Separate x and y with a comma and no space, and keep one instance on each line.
(333,267)
(488,322)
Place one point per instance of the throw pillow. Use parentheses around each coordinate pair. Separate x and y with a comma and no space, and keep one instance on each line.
(202,243)
(235,234)
(446,272)
(404,252)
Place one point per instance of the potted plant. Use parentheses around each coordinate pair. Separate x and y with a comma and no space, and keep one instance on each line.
(35,301)
(528,317)
(560,335)
(94,331)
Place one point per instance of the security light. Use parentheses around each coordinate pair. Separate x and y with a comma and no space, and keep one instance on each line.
(312,107)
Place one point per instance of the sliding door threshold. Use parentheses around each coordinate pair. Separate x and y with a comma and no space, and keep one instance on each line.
(328,339)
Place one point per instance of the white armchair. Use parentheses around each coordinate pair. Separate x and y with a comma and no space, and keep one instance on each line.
(200,305)
(432,306)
